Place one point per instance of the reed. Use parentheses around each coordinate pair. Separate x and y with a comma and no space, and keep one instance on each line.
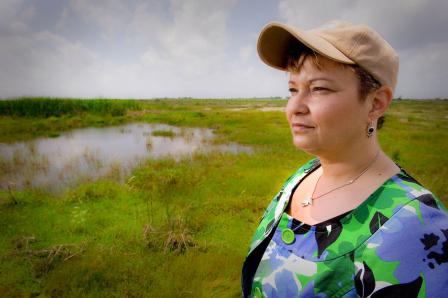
(163,133)
(56,107)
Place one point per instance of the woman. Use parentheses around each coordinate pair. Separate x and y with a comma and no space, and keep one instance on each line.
(350,222)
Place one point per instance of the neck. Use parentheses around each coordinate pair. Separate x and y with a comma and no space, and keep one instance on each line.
(349,162)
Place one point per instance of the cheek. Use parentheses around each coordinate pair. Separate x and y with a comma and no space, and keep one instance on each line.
(328,115)
(336,117)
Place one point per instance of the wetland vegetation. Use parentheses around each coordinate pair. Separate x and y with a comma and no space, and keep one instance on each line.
(171,226)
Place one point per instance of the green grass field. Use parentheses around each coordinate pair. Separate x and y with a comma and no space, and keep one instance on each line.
(175,229)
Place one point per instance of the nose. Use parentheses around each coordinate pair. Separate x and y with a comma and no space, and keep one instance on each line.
(297,103)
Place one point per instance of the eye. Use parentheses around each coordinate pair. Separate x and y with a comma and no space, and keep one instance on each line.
(320,89)
(292,90)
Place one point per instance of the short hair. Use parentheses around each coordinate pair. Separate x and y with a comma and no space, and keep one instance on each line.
(367,83)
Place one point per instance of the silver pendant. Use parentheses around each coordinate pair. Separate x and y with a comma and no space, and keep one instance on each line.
(306,202)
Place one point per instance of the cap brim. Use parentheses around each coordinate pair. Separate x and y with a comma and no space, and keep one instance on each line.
(276,40)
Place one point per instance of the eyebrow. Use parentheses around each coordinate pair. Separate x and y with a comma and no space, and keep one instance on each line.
(314,79)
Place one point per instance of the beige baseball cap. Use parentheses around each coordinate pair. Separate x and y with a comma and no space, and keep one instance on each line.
(341,41)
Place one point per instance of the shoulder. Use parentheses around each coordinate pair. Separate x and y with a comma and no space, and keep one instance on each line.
(423,210)
(408,254)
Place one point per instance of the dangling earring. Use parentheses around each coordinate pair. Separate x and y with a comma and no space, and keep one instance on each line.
(370,129)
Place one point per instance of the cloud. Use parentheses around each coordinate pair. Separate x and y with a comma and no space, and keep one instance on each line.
(14,16)
(110,16)
(44,63)
(197,48)
(194,42)
(406,23)
(181,46)
(424,71)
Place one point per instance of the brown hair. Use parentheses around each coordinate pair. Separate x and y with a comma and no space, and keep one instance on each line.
(367,83)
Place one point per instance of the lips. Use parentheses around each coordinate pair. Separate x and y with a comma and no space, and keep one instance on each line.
(303,125)
(300,127)
(298,124)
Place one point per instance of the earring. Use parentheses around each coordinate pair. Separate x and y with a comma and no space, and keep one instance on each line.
(370,129)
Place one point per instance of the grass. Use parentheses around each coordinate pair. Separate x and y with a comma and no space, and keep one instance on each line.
(177,228)
(163,133)
(48,107)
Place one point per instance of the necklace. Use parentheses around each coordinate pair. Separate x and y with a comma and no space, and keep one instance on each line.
(309,201)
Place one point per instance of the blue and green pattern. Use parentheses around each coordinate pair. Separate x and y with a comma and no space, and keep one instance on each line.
(394,244)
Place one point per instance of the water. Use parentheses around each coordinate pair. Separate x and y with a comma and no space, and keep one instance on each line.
(90,153)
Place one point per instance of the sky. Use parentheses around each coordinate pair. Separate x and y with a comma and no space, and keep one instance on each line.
(195,48)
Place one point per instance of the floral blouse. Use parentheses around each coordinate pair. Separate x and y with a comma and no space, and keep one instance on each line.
(395,244)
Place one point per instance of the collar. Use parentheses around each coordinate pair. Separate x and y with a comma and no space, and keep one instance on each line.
(357,225)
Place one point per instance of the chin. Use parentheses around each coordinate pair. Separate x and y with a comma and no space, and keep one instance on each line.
(304,145)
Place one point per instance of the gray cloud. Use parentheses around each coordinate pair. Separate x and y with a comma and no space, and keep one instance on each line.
(198,48)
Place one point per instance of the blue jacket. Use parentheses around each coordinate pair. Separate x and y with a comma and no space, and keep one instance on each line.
(394,243)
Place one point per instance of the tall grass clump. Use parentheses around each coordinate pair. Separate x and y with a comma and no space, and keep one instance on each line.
(47,107)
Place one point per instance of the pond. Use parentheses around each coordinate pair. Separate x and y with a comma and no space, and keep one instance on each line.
(87,154)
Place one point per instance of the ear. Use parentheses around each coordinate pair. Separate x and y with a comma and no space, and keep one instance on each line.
(380,101)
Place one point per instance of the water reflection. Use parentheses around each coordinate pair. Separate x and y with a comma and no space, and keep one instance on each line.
(89,153)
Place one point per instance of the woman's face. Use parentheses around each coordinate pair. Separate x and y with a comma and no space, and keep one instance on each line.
(324,111)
